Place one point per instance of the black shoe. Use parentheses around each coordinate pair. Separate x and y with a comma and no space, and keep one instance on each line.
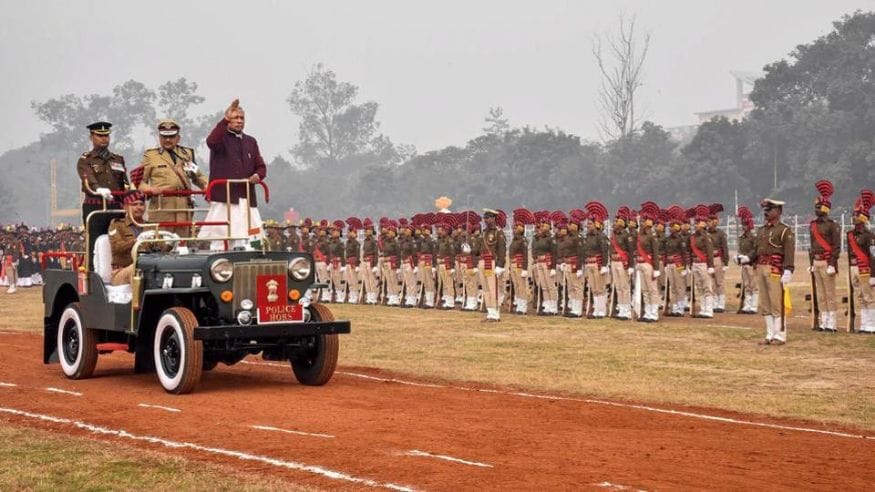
(718,310)
(817,328)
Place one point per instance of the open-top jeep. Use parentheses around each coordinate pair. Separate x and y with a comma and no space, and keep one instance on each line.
(186,311)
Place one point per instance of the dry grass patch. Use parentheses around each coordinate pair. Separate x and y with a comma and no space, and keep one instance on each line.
(32,459)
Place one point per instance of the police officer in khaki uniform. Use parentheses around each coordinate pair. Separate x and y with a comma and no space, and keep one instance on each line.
(352,254)
(170,167)
(647,261)
(703,266)
(493,251)
(622,264)
(861,250)
(773,257)
(518,251)
(101,172)
(370,268)
(122,236)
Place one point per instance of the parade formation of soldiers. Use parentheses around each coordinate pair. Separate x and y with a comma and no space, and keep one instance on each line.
(23,252)
(651,262)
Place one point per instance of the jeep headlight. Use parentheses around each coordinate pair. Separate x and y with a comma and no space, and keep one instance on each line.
(221,270)
(299,268)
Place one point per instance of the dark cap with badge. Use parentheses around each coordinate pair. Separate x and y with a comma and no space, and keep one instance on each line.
(100,128)
(168,128)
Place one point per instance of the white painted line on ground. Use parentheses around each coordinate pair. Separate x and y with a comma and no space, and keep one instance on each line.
(8,385)
(159,407)
(416,452)
(391,380)
(732,327)
(290,465)
(287,431)
(615,486)
(701,416)
(63,392)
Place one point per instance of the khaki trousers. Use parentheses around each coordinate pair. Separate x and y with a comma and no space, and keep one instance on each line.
(520,284)
(719,276)
(748,279)
(770,290)
(490,286)
(426,276)
(352,281)
(123,276)
(543,281)
(677,283)
(322,275)
(826,286)
(703,281)
(391,279)
(447,283)
(408,279)
(472,281)
(337,282)
(595,279)
(621,282)
(369,278)
(862,289)
(649,288)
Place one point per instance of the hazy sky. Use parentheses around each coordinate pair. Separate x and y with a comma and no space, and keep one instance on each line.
(434,67)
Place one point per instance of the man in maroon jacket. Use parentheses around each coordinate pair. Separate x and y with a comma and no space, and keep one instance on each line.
(234,155)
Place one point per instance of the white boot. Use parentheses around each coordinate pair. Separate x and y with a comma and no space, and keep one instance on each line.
(721,303)
(779,336)
(353,298)
(867,320)
(471,303)
(429,299)
(754,302)
(770,327)
(393,300)
(832,320)
(600,306)
(708,305)
(326,295)
(575,307)
(522,306)
(492,313)
(624,311)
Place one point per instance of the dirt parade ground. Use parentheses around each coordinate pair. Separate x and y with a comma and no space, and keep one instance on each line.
(372,429)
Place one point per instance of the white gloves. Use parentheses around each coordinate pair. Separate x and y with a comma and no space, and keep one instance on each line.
(104,192)
(830,270)
(604,270)
(374,270)
(725,268)
(684,272)
(811,269)
(415,270)
(356,269)
(579,273)
(552,272)
(499,270)
(342,269)
(475,270)
(872,281)
(398,272)
(524,273)
(742,259)
(452,271)
(631,271)
(710,270)
(785,278)
(656,273)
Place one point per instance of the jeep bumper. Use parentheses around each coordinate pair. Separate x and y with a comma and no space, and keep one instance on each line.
(271,331)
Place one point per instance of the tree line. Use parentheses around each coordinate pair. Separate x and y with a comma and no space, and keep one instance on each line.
(814,118)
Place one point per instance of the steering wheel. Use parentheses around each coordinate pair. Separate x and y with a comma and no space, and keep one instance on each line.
(168,237)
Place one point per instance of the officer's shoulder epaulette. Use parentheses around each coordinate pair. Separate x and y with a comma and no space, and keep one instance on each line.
(153,150)
(85,154)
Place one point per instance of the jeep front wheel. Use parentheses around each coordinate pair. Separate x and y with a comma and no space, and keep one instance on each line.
(77,345)
(178,356)
(316,364)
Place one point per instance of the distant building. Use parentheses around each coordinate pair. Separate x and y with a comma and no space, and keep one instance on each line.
(743,106)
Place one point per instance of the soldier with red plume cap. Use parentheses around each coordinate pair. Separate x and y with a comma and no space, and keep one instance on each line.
(861,251)
(493,254)
(390,254)
(427,256)
(596,258)
(675,254)
(721,256)
(702,258)
(370,267)
(352,255)
(647,261)
(337,260)
(544,270)
(446,260)
(823,256)
(746,245)
(622,263)
(518,252)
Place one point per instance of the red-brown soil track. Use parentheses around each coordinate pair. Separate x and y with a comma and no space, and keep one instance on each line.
(369,425)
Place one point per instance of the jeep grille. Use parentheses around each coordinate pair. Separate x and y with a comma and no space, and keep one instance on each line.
(245,275)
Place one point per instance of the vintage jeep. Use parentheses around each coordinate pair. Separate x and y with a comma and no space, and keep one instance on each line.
(184,312)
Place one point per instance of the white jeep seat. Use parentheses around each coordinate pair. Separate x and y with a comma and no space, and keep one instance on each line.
(118,294)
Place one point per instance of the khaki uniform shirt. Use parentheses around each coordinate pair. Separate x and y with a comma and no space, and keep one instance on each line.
(776,239)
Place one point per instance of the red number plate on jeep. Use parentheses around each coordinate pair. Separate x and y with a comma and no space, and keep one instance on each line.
(273,302)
